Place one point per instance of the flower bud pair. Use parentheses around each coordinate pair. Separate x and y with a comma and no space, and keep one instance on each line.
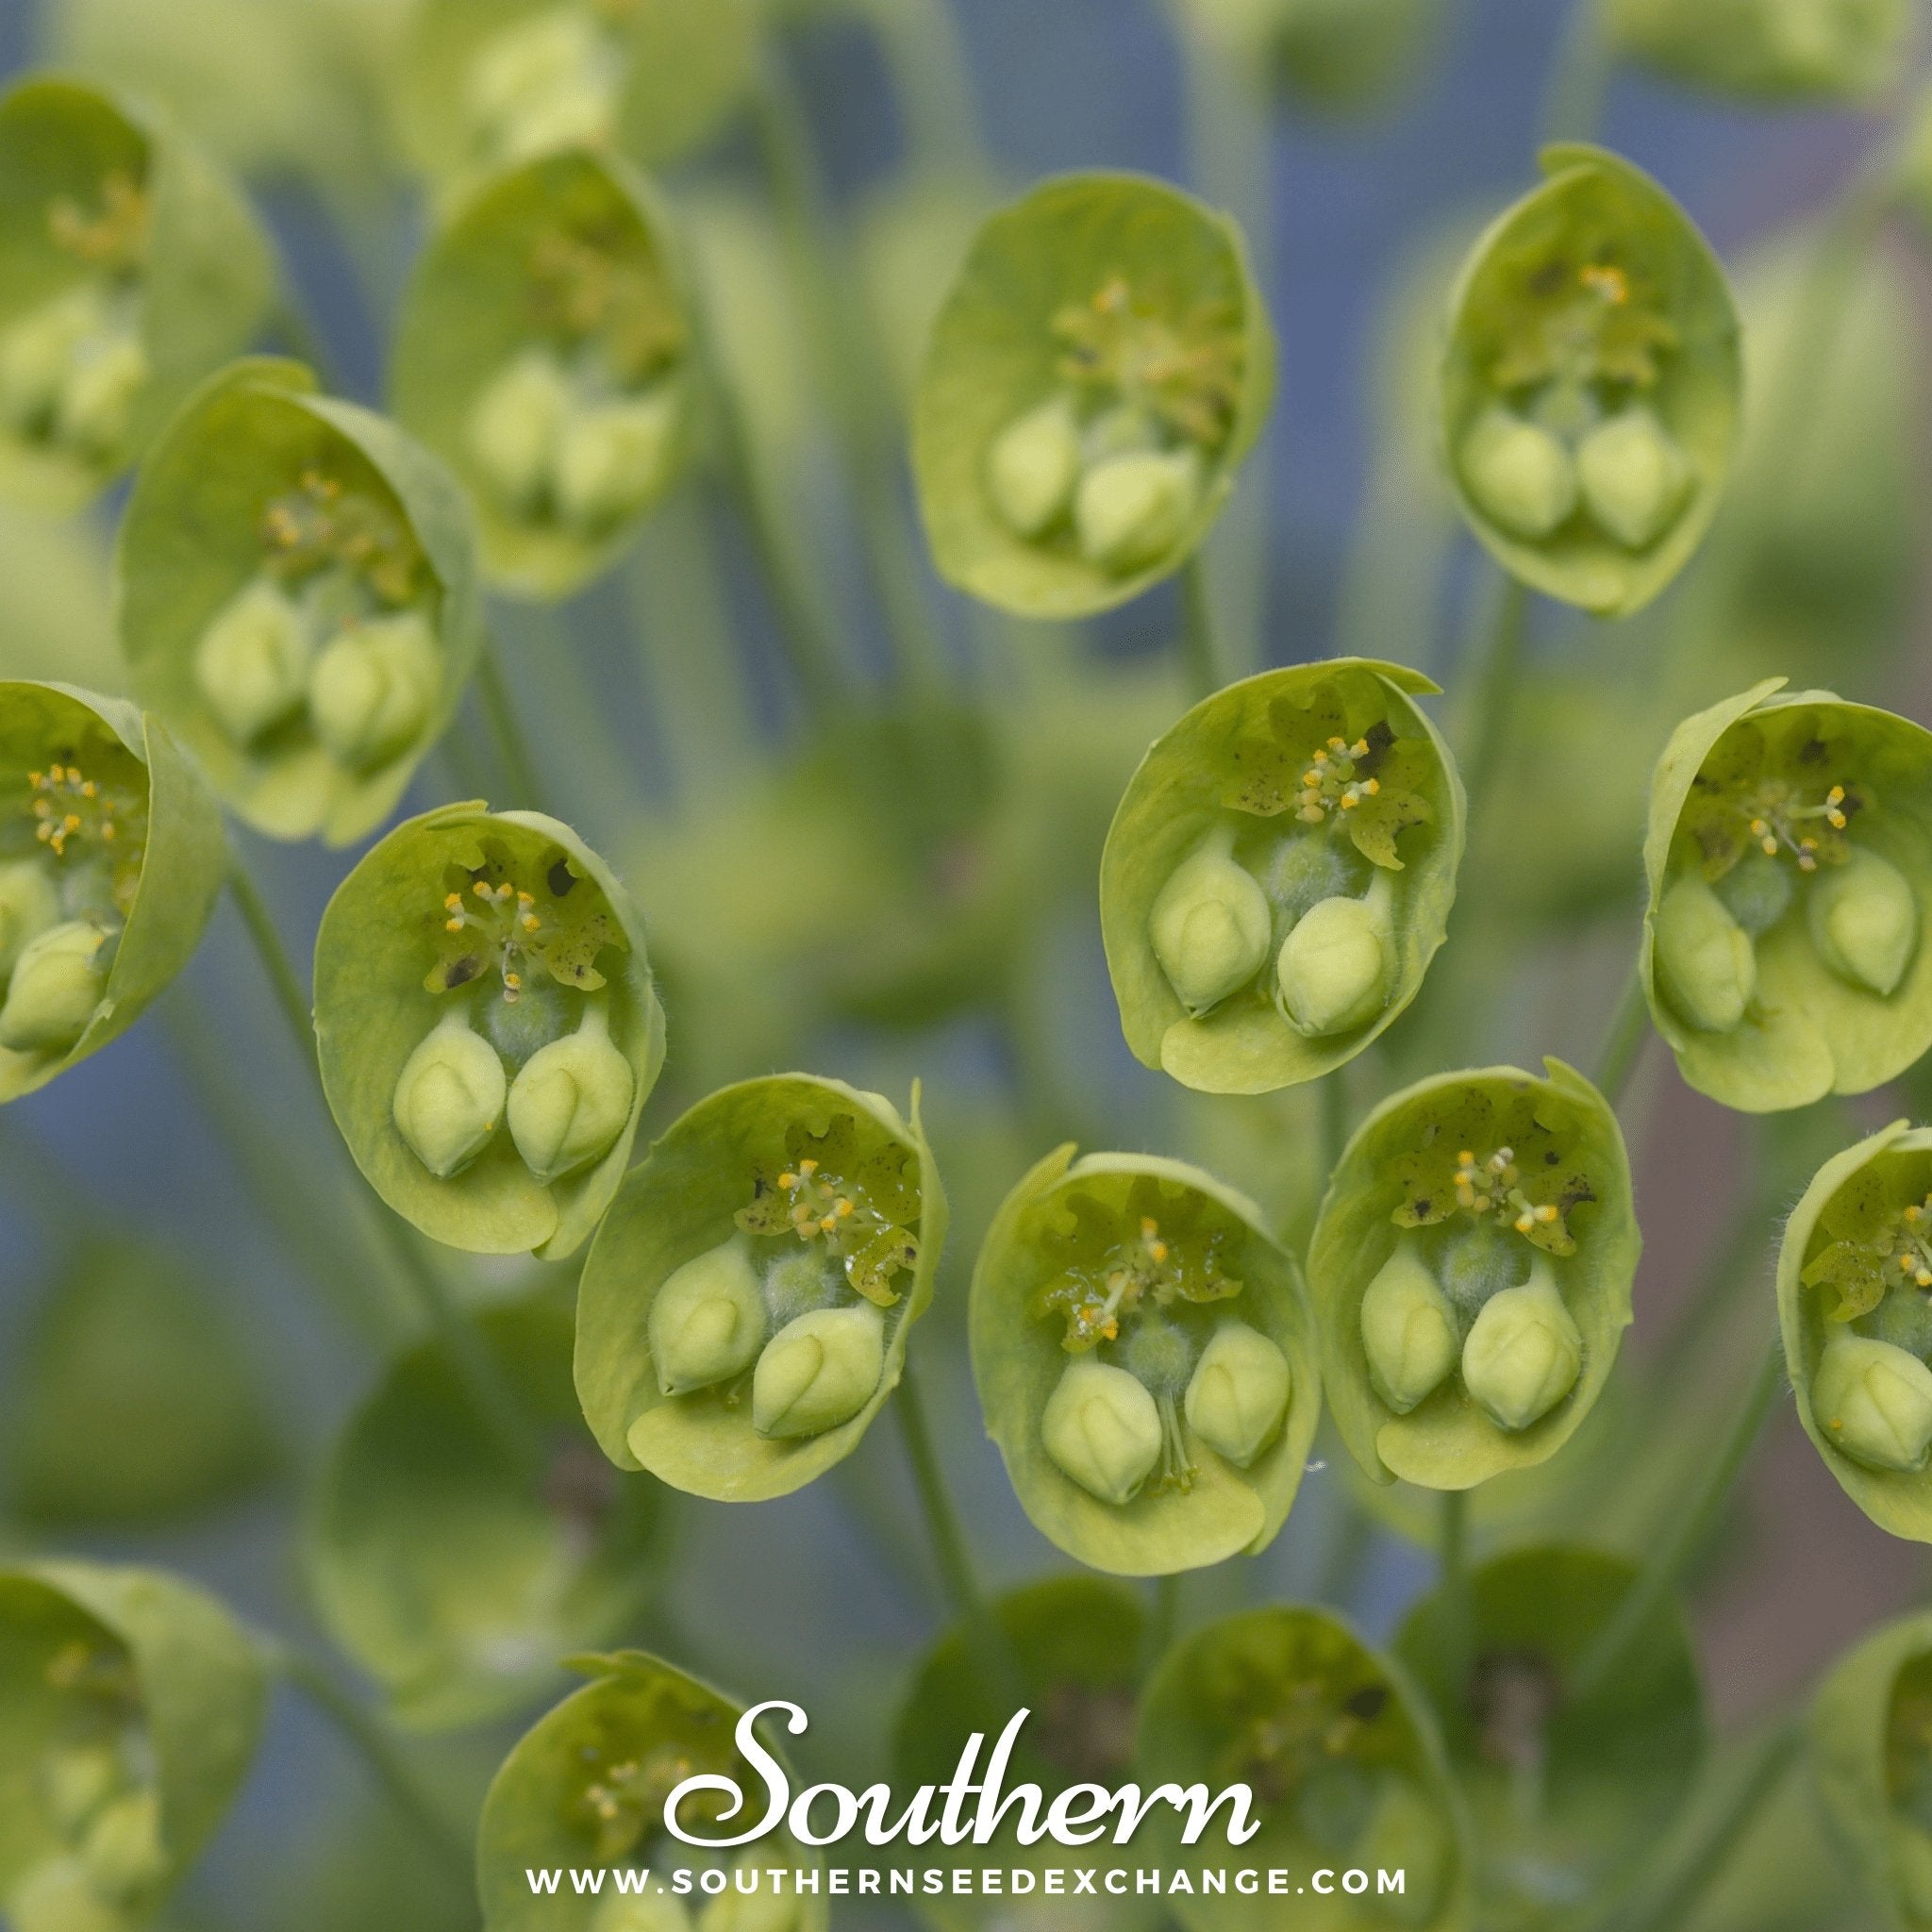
(55,988)
(373,687)
(1338,962)
(614,457)
(1211,926)
(515,423)
(71,373)
(251,666)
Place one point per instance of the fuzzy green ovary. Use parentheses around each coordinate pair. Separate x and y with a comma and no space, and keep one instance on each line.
(1211,925)
(572,1099)
(56,983)
(1337,964)
(1873,1403)
(708,1321)
(1525,1351)
(1237,1398)
(450,1096)
(1864,918)
(70,371)
(371,692)
(549,81)
(818,1370)
(1409,1331)
(1705,959)
(1103,1430)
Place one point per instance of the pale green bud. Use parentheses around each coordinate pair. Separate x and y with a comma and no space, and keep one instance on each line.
(819,1370)
(1408,1833)
(1911,1869)
(614,457)
(449,1097)
(372,688)
(1521,477)
(1102,1429)
(76,1781)
(708,1321)
(572,1099)
(251,666)
(1704,957)
(1865,920)
(515,424)
(1032,468)
(56,984)
(37,357)
(1525,1351)
(97,402)
(543,83)
(1238,1397)
(767,1910)
(1336,964)
(29,903)
(1408,1331)
(641,1911)
(1634,478)
(122,1850)
(1211,925)
(1131,509)
(1874,1402)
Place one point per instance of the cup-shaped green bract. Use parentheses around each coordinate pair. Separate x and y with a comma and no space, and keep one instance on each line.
(457,1588)
(298,600)
(112,856)
(486,83)
(132,1399)
(1279,875)
(588,1784)
(1343,1759)
(543,353)
(1869,1742)
(1098,372)
(744,1310)
(1852,1278)
(1146,1362)
(489,1027)
(129,268)
(1609,1770)
(1768,50)
(1331,57)
(130,1705)
(1079,1645)
(1471,1273)
(1790,862)
(1591,385)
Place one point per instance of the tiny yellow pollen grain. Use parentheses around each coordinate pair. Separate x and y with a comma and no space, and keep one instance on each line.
(788,1179)
(481,888)
(1546,1213)
(1768,846)
(1374,787)
(453,900)
(108,830)
(1836,1423)
(843,1209)
(1525,1223)
(1159,1250)
(1758,828)
(452,925)
(828,1223)
(531,922)
(1466,1158)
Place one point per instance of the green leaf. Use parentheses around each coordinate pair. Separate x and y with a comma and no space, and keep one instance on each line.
(1398,1174)
(1596,293)
(1066,1211)
(1784,52)
(1052,284)
(717,1170)
(1228,763)
(382,943)
(460,1588)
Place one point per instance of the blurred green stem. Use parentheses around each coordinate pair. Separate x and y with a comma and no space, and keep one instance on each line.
(1489,680)
(1331,1096)
(1201,642)
(506,727)
(1579,77)
(1164,1626)
(1669,1554)
(375,1745)
(1452,1581)
(1623,1039)
(932,77)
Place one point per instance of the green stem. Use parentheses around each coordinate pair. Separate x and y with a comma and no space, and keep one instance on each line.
(1200,642)
(1452,1582)
(1331,1093)
(512,746)
(1669,1554)
(277,968)
(1490,684)
(1623,1039)
(373,1743)
(930,71)
(1580,78)
(1164,1626)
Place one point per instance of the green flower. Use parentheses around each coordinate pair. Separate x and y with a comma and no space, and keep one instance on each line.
(130,268)
(1279,876)
(1329,56)
(742,1316)
(1341,1756)
(1610,1772)
(130,1706)
(1591,384)
(1853,1276)
(544,352)
(456,1585)
(1144,1362)
(1869,1739)
(1102,366)
(486,84)
(1077,1647)
(112,856)
(587,1786)
(1471,1273)
(298,600)
(1789,860)
(1768,50)
(489,1027)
